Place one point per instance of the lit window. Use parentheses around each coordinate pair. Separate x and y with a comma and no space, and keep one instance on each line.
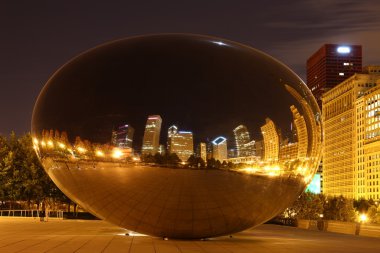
(341,74)
(346,64)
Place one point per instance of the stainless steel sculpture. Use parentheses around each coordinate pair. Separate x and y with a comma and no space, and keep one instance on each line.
(99,120)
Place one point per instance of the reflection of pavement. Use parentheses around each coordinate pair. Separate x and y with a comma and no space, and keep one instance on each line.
(177,203)
(27,235)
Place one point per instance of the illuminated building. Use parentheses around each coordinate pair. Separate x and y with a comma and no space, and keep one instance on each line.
(241,138)
(151,140)
(301,133)
(123,136)
(181,143)
(161,149)
(231,153)
(271,141)
(249,148)
(172,130)
(331,65)
(203,151)
(259,148)
(349,115)
(219,148)
(288,152)
(310,119)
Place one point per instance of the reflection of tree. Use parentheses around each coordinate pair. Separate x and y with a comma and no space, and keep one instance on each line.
(165,160)
(196,162)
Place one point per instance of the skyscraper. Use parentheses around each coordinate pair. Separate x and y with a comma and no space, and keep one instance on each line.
(151,140)
(181,143)
(331,65)
(172,130)
(241,139)
(123,136)
(351,148)
(219,148)
(203,151)
(301,133)
(271,140)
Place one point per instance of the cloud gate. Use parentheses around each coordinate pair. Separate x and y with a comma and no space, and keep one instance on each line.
(178,135)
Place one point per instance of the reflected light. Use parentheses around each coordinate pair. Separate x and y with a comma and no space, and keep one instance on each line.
(116,153)
(50,144)
(220,43)
(363,217)
(99,153)
(81,150)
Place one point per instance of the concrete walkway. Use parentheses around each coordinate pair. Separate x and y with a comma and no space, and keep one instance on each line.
(31,235)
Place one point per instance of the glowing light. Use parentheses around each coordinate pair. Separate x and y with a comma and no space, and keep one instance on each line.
(219,140)
(43,143)
(185,132)
(363,217)
(116,153)
(220,43)
(343,50)
(61,145)
(135,159)
(81,150)
(50,144)
(35,141)
(99,153)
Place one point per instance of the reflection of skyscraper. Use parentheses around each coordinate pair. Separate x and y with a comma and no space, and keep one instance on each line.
(181,143)
(219,148)
(203,151)
(312,122)
(241,138)
(123,136)
(301,131)
(271,140)
(151,140)
(172,130)
(259,149)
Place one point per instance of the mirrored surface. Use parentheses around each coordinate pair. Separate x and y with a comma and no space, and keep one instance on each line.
(180,136)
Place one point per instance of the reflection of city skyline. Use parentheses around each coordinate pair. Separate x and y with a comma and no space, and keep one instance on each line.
(272,147)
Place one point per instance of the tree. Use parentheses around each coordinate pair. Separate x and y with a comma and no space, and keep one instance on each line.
(307,206)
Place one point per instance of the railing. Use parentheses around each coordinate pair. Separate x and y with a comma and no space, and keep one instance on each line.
(31,213)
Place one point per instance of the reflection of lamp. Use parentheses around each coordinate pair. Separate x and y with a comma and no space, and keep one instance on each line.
(81,150)
(363,217)
(50,144)
(116,153)
(99,153)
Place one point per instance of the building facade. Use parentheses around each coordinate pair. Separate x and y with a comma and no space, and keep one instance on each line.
(348,116)
(301,133)
(181,143)
(271,141)
(123,136)
(219,148)
(241,135)
(151,139)
(331,65)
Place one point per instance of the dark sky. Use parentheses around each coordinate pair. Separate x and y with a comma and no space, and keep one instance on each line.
(37,37)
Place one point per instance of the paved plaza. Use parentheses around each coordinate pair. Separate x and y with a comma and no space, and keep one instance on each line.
(31,235)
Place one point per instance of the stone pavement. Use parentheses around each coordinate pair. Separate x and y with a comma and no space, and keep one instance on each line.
(30,235)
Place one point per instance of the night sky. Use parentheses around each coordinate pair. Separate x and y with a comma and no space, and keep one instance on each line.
(37,37)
